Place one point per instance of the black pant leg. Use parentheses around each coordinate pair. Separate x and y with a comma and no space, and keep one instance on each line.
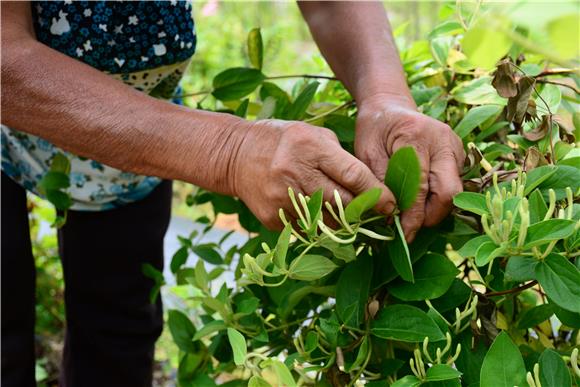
(18,288)
(111,324)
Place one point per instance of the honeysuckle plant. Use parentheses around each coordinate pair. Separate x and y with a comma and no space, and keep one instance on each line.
(490,297)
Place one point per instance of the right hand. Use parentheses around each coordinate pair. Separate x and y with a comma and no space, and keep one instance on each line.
(275,155)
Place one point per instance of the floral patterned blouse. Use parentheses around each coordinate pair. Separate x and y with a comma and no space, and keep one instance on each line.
(145,44)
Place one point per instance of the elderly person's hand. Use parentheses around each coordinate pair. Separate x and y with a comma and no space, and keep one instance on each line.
(276,155)
(385,124)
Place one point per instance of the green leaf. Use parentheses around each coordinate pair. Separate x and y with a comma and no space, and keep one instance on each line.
(363,351)
(53,181)
(282,372)
(182,330)
(552,95)
(297,110)
(536,315)
(361,204)
(179,259)
(403,176)
(503,365)
(208,254)
(342,126)
(405,323)
(310,267)
(238,344)
(449,27)
(345,253)
(209,328)
(475,117)
(61,200)
(282,247)
(537,206)
(553,370)
(201,279)
(242,109)
(487,252)
(548,230)
(352,291)
(269,89)
(469,249)
(434,274)
(255,48)
(561,281)
(484,44)
(256,381)
(60,163)
(236,83)
(472,202)
(407,381)
(537,176)
(520,269)
(557,178)
(315,207)
(567,318)
(442,372)
(440,49)
(478,91)
(564,35)
(399,253)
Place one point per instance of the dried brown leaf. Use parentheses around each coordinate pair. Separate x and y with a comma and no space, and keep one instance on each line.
(518,105)
(540,131)
(504,81)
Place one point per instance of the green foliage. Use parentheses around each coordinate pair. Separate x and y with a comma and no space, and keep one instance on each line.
(488,297)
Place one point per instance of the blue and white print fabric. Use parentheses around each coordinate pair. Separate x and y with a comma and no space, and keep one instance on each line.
(145,44)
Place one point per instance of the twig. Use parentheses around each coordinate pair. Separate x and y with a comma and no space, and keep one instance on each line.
(571,87)
(333,110)
(308,76)
(557,71)
(514,290)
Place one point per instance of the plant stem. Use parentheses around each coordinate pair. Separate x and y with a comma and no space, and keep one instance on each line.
(334,109)
(571,87)
(514,290)
(308,76)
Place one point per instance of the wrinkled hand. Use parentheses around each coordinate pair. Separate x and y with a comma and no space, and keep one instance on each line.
(385,124)
(275,155)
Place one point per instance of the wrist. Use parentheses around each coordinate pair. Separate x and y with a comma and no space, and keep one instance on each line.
(399,100)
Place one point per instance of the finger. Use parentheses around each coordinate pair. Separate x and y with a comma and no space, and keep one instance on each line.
(351,173)
(413,218)
(458,151)
(373,154)
(444,183)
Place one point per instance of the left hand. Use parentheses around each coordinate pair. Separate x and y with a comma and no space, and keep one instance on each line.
(385,124)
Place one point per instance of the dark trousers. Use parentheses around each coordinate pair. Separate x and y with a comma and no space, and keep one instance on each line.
(111,324)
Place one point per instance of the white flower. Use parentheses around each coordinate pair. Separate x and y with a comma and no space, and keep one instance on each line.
(87,45)
(119,62)
(119,29)
(88,12)
(103,27)
(79,52)
(133,20)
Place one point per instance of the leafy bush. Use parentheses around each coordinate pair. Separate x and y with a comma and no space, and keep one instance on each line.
(490,297)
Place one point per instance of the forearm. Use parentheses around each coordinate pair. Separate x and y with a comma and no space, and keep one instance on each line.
(88,113)
(356,40)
